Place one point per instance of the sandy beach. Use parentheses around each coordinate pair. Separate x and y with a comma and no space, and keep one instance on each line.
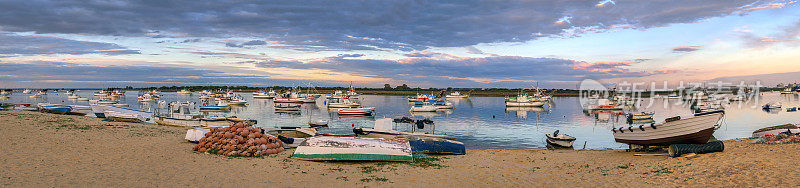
(73,151)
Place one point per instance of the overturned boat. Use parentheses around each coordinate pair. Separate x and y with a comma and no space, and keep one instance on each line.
(328,148)
(693,130)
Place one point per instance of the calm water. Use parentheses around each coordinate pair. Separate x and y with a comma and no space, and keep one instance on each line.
(484,122)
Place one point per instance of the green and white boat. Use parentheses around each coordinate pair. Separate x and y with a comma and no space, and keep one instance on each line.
(329,148)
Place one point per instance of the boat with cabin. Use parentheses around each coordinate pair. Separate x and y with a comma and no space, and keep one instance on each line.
(423,107)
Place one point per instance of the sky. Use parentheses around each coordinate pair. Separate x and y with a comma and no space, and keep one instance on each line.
(464,44)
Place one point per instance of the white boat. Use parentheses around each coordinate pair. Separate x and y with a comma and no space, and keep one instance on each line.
(456,95)
(5,92)
(180,115)
(81,109)
(443,104)
(73,96)
(423,107)
(356,111)
(693,130)
(561,140)
(264,95)
(105,101)
(318,123)
(221,105)
(237,100)
(787,91)
(125,117)
(326,148)
(35,96)
(772,105)
(185,91)
(99,111)
(523,99)
(341,103)
(673,96)
(26,91)
(148,97)
(420,98)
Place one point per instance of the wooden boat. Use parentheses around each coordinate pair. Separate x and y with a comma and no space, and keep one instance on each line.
(694,130)
(356,111)
(775,130)
(561,140)
(423,107)
(125,117)
(326,148)
(54,108)
(436,146)
(287,107)
(291,136)
(640,116)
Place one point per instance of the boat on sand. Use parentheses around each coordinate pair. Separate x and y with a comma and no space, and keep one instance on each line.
(775,130)
(561,140)
(675,130)
(328,148)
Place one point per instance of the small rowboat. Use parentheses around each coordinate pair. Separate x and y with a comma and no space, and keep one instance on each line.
(327,148)
(287,107)
(436,146)
(561,140)
(55,108)
(318,123)
(357,111)
(125,117)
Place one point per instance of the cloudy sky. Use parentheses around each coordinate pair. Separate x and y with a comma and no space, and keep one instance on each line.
(510,44)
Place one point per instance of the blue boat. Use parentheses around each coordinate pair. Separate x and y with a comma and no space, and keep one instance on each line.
(56,108)
(436,146)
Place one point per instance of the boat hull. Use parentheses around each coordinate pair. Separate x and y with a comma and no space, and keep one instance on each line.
(526,104)
(695,130)
(437,146)
(327,148)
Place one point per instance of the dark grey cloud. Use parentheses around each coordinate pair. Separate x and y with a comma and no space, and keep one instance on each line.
(350,55)
(467,72)
(245,44)
(690,48)
(12,44)
(357,25)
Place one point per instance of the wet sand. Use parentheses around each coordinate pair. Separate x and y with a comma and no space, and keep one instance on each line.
(58,150)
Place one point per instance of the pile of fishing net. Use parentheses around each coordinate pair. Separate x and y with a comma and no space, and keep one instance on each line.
(240,139)
(778,139)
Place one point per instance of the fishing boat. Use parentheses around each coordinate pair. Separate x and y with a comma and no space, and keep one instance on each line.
(327,148)
(318,123)
(787,91)
(640,116)
(54,108)
(102,92)
(291,136)
(125,117)
(383,129)
(287,107)
(221,106)
(68,92)
(264,95)
(420,98)
(341,103)
(561,140)
(237,100)
(456,95)
(523,99)
(36,96)
(775,130)
(99,111)
(179,114)
(148,97)
(675,130)
(772,105)
(26,91)
(356,111)
(430,145)
(423,107)
(185,91)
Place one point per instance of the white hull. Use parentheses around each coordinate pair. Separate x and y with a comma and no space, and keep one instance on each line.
(527,104)
(424,109)
(560,142)
(668,131)
(101,109)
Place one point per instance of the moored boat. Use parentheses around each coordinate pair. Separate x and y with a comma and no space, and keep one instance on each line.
(561,140)
(423,107)
(99,111)
(693,130)
(772,105)
(326,148)
(221,106)
(54,108)
(125,117)
(356,111)
(640,116)
(456,95)
(318,123)
(287,107)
